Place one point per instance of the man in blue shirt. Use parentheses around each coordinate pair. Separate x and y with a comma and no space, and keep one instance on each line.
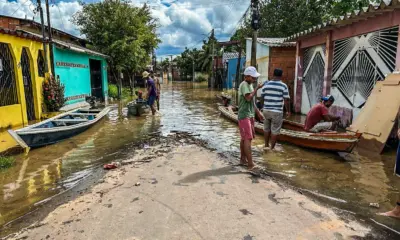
(151,91)
(274,93)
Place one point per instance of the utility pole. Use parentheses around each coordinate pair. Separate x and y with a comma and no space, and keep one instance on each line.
(171,69)
(46,67)
(193,69)
(212,58)
(255,24)
(238,73)
(50,38)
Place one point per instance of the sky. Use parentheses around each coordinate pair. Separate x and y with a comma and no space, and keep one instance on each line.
(183,23)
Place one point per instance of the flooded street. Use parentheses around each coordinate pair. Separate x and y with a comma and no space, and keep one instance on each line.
(352,183)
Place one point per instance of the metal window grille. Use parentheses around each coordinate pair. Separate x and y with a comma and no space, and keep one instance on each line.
(8,88)
(40,63)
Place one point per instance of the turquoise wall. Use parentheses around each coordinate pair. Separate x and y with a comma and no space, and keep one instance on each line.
(77,79)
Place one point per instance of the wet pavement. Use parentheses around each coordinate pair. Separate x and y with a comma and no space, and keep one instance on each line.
(352,183)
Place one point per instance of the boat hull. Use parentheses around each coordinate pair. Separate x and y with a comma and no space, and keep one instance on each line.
(47,132)
(47,138)
(336,142)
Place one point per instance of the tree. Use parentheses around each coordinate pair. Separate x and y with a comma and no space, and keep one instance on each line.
(127,34)
(282,18)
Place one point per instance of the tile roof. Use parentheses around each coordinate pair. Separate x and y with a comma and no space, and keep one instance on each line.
(275,42)
(349,18)
(21,34)
(70,46)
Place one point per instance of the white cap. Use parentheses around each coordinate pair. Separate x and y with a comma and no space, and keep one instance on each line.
(251,71)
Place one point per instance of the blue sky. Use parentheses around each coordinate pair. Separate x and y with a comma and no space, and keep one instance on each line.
(183,23)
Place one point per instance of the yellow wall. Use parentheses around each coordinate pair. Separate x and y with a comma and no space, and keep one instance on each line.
(16,114)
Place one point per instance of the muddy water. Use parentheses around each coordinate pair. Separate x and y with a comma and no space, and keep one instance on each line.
(355,181)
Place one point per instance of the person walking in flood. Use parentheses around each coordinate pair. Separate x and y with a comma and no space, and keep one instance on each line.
(151,91)
(246,113)
(275,94)
(320,112)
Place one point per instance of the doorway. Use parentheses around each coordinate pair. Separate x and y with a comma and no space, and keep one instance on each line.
(96,78)
(28,88)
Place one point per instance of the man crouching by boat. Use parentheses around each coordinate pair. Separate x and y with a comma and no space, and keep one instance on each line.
(320,113)
(247,110)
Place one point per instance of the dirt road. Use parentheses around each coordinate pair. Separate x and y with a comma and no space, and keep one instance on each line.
(191,193)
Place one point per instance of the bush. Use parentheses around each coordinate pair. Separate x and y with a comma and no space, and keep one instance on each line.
(6,162)
(53,94)
(112,90)
(201,78)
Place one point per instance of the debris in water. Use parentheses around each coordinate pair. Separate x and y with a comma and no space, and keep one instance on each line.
(137,184)
(68,222)
(140,212)
(108,205)
(248,237)
(245,212)
(112,165)
(146,146)
(374,205)
(135,199)
(154,181)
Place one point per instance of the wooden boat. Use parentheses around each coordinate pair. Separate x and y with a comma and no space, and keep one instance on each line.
(58,128)
(138,108)
(294,133)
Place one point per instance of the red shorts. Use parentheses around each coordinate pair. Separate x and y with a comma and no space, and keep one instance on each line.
(246,127)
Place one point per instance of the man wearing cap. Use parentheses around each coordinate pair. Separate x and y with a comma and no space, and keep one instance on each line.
(274,94)
(247,110)
(320,113)
(151,91)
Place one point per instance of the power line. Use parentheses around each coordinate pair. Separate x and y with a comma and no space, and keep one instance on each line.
(12,15)
(59,13)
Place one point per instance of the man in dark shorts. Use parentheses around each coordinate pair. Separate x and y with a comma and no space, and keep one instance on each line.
(151,91)
(320,112)
(247,110)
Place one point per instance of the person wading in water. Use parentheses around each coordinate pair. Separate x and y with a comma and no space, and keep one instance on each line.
(151,91)
(246,113)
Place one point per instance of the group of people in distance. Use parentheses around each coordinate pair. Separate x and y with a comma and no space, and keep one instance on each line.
(274,99)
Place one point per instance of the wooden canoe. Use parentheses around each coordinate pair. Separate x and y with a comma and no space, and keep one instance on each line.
(294,133)
(58,128)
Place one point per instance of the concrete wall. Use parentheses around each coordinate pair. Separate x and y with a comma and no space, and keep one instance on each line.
(16,115)
(76,79)
(263,53)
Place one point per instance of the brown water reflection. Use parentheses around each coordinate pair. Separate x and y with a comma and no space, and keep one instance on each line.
(48,171)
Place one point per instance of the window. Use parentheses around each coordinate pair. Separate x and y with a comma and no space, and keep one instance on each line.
(8,88)
(40,63)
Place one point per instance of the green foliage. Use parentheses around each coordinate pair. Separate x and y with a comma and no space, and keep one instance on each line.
(201,78)
(120,30)
(282,18)
(53,94)
(6,162)
(112,90)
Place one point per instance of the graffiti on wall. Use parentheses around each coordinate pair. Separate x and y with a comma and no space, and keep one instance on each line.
(360,61)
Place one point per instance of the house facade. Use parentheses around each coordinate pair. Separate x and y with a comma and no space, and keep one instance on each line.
(345,57)
(21,77)
(82,71)
(274,53)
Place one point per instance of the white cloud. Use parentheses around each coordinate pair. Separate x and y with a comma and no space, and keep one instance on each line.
(182,22)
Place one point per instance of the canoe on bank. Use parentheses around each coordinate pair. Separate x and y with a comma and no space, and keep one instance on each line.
(294,133)
(58,128)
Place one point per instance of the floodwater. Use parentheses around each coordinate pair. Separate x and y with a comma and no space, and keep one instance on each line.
(353,183)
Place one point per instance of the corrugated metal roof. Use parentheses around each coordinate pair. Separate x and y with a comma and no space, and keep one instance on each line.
(275,42)
(72,47)
(349,18)
(21,34)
